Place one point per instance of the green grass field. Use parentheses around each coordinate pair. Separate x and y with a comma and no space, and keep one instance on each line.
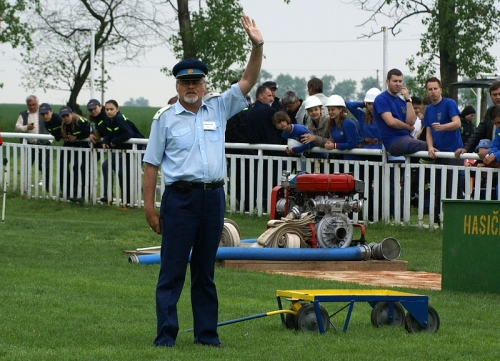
(67,292)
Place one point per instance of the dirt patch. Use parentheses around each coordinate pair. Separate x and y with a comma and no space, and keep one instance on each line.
(422,280)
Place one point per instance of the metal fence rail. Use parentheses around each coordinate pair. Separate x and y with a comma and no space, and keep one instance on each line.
(407,185)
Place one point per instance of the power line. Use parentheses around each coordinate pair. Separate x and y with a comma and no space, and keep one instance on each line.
(336,41)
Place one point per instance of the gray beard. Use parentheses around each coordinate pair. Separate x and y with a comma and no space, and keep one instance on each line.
(191,100)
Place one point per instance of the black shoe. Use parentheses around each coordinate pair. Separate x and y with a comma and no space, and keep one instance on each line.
(103,200)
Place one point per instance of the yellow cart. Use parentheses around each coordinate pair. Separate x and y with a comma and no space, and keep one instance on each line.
(388,308)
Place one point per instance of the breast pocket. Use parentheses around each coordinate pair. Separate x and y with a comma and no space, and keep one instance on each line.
(183,137)
(215,135)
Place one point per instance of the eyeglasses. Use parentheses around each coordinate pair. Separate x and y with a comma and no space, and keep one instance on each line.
(190,82)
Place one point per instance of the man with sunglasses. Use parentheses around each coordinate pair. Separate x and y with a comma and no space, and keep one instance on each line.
(187,142)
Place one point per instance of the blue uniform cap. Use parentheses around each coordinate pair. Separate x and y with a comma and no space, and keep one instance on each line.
(65,110)
(270,85)
(483,143)
(190,69)
(44,108)
(92,104)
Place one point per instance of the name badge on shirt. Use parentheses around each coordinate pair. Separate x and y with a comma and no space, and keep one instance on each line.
(209,126)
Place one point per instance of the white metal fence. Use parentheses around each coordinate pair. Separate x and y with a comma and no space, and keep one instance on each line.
(407,186)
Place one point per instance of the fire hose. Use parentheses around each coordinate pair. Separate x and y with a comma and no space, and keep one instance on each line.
(230,234)
(288,233)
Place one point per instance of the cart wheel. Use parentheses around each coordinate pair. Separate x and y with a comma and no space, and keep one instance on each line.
(291,319)
(412,325)
(380,314)
(307,321)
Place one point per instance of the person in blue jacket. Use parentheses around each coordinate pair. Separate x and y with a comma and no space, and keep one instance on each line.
(53,121)
(366,120)
(370,140)
(492,159)
(98,129)
(119,130)
(343,131)
(74,130)
(282,121)
(53,124)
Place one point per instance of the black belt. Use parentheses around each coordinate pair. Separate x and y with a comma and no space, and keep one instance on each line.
(185,187)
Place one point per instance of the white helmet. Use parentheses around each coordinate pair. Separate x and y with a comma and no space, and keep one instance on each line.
(371,94)
(335,101)
(312,101)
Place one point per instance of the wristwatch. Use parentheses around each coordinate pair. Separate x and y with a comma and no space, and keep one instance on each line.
(408,100)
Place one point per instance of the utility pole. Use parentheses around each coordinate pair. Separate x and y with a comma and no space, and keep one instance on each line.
(385,67)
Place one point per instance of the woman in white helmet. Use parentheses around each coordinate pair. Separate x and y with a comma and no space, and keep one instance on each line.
(318,126)
(366,119)
(343,131)
(370,140)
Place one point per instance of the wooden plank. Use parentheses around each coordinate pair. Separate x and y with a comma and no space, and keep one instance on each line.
(255,265)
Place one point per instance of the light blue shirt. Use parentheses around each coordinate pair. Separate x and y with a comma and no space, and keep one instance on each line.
(190,147)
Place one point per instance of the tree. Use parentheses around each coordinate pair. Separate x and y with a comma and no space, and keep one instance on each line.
(139,102)
(328,84)
(346,89)
(366,84)
(14,30)
(414,87)
(286,82)
(214,35)
(459,34)
(126,28)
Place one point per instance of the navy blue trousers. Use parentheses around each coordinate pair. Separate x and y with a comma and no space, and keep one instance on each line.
(191,221)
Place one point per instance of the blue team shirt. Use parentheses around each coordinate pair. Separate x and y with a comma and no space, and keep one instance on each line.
(346,137)
(385,102)
(296,133)
(190,147)
(495,145)
(367,130)
(442,112)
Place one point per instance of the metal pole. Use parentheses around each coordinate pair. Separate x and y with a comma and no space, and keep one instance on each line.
(92,52)
(385,67)
(102,75)
(5,162)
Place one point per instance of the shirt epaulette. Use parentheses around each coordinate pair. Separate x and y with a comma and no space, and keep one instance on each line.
(161,111)
(210,95)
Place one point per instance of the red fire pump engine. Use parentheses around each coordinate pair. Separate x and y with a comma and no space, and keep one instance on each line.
(329,197)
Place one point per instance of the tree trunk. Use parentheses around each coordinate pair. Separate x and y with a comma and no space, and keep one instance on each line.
(447,54)
(185,29)
(80,80)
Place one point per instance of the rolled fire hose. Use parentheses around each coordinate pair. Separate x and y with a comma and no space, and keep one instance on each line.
(230,235)
(287,233)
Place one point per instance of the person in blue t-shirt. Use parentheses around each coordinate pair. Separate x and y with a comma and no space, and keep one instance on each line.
(282,121)
(343,131)
(395,117)
(492,158)
(442,119)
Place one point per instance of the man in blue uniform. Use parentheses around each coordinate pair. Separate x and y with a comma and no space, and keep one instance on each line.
(395,117)
(187,141)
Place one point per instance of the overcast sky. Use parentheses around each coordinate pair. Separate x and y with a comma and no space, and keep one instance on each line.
(303,38)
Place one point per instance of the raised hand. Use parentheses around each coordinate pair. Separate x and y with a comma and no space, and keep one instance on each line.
(252,30)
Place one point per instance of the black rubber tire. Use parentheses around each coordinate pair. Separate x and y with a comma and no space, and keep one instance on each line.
(433,322)
(307,321)
(380,315)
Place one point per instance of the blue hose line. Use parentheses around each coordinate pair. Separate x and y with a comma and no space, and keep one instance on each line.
(273,254)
